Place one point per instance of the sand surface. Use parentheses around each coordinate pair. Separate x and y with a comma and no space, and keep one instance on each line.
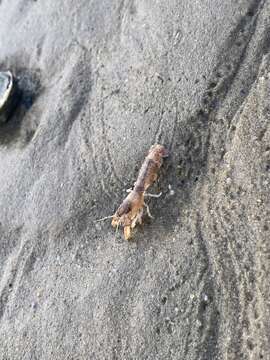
(102,80)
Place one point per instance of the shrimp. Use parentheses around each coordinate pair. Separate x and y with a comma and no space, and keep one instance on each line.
(130,212)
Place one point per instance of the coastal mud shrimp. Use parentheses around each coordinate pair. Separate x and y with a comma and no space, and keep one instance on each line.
(130,212)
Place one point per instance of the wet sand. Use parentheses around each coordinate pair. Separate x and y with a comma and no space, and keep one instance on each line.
(102,81)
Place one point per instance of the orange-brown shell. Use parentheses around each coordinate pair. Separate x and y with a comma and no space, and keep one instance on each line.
(149,169)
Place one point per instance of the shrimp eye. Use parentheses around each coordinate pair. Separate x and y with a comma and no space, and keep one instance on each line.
(164,152)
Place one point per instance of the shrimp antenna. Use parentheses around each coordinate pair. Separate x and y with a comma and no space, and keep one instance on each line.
(105,218)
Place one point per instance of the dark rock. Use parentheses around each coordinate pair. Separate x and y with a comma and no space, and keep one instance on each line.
(7,95)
